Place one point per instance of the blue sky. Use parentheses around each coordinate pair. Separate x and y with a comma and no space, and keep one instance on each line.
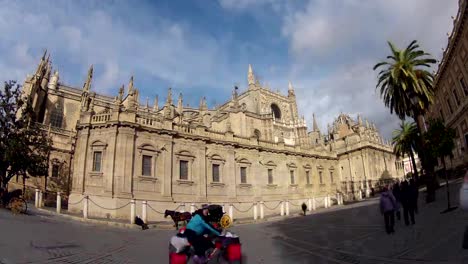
(326,48)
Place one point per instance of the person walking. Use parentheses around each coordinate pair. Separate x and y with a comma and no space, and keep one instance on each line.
(407,201)
(414,191)
(387,208)
(397,193)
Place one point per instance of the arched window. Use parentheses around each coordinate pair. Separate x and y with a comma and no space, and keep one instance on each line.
(56,116)
(276,111)
(257,134)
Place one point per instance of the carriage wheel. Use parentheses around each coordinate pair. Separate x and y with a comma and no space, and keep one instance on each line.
(18,205)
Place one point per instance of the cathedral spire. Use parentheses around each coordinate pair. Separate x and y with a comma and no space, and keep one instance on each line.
(251,78)
(314,123)
(121,93)
(43,55)
(203,106)
(87,84)
(156,105)
(131,89)
(169,96)
(54,80)
(290,90)
(180,102)
(235,100)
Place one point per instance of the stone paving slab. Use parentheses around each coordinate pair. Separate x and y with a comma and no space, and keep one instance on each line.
(349,234)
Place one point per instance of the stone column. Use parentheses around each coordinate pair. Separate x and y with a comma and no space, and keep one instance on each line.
(111,153)
(36,199)
(125,163)
(59,203)
(80,160)
(366,172)
(287,208)
(282,208)
(40,199)
(85,207)
(231,215)
(144,214)
(261,210)
(255,211)
(169,167)
(132,211)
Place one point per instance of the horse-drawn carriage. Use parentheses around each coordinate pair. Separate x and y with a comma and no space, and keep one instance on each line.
(226,247)
(13,200)
(215,215)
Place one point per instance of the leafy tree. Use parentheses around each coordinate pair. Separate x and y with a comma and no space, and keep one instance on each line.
(404,142)
(406,87)
(24,147)
(439,140)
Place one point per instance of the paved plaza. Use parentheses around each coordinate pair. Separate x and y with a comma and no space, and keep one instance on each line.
(350,234)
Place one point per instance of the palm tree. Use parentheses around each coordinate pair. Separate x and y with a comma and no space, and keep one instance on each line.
(440,144)
(406,87)
(404,142)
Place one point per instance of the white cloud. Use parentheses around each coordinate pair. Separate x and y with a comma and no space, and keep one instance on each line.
(334,45)
(80,36)
(247,4)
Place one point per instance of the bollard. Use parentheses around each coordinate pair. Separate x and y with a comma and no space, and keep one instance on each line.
(192,208)
(313,204)
(36,199)
(309,204)
(230,212)
(40,199)
(85,208)
(282,208)
(144,214)
(262,215)
(255,211)
(182,207)
(132,211)
(287,208)
(59,203)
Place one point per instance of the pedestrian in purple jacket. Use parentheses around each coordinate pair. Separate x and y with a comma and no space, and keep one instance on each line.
(387,209)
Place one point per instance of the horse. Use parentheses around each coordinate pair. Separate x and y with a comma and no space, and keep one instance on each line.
(178,216)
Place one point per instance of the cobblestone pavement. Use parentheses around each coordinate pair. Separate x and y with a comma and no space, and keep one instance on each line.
(352,234)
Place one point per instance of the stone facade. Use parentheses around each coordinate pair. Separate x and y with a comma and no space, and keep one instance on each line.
(451,85)
(255,147)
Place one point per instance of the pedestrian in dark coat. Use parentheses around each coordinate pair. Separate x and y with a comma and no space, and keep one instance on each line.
(407,201)
(387,208)
(397,193)
(414,195)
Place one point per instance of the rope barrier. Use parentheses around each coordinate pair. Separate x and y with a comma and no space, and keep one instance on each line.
(294,204)
(105,208)
(149,205)
(69,203)
(242,211)
(274,208)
